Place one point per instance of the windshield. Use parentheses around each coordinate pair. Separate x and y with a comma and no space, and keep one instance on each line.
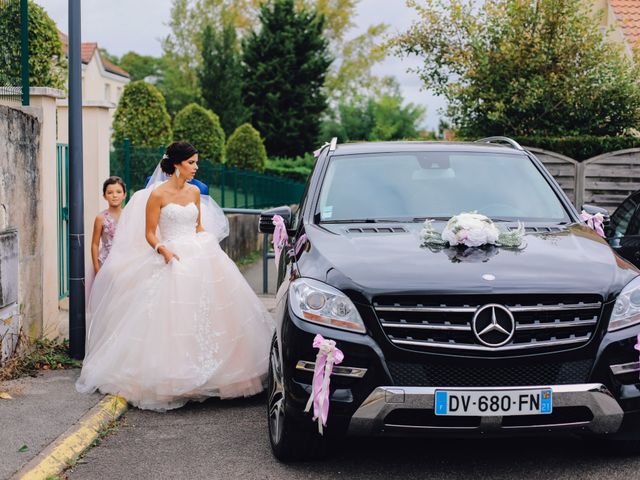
(412,185)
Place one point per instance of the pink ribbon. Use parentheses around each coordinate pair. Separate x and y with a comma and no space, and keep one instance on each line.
(593,221)
(298,246)
(280,237)
(328,356)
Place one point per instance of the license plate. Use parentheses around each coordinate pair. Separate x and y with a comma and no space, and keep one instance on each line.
(494,403)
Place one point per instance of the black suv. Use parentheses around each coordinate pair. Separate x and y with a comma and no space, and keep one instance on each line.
(412,320)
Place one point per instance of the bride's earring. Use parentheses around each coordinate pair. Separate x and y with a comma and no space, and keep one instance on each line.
(177,173)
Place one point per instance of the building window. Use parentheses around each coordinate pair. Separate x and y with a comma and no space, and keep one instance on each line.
(107,92)
(118,94)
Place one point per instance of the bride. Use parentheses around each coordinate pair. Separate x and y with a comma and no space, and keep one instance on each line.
(171,318)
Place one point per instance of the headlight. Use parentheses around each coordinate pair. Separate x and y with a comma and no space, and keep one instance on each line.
(320,303)
(626,311)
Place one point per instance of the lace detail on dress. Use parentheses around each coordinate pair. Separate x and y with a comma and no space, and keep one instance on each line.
(178,221)
(109,225)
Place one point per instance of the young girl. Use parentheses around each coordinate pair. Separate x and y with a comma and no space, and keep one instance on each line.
(104,227)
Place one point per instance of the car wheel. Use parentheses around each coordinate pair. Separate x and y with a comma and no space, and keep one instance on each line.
(289,442)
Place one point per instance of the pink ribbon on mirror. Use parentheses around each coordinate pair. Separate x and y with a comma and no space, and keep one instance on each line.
(280,237)
(298,246)
(595,222)
(328,356)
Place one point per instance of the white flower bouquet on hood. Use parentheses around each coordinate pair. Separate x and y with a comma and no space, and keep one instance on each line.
(471,229)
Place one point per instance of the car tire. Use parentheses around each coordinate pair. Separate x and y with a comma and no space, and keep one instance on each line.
(289,442)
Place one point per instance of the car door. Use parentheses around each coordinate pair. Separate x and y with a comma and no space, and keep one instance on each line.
(624,233)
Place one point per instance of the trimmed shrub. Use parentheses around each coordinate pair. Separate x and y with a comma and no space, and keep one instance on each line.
(298,168)
(245,149)
(142,116)
(47,64)
(582,147)
(201,127)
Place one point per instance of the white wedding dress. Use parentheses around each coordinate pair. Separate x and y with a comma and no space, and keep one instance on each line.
(161,334)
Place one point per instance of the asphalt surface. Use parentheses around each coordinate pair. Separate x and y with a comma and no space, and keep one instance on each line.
(40,409)
(228,440)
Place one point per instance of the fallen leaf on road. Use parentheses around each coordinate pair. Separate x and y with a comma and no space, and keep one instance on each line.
(23,449)
(5,396)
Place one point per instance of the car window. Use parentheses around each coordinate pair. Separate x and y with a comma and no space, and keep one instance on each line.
(622,217)
(634,224)
(437,184)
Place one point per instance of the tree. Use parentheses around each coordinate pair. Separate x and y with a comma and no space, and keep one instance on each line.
(351,72)
(141,66)
(141,116)
(378,117)
(220,75)
(47,64)
(245,149)
(523,68)
(285,66)
(201,127)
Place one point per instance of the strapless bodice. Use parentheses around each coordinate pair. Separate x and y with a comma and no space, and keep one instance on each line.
(178,221)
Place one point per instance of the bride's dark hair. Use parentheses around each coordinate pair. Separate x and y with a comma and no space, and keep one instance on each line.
(176,153)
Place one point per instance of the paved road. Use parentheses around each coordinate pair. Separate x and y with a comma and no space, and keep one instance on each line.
(227,440)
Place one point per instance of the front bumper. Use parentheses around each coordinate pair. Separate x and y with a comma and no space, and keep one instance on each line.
(397,409)
(371,393)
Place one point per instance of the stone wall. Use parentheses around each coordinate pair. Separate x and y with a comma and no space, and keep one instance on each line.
(20,221)
(243,236)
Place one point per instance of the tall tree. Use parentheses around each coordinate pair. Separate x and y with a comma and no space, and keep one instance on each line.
(141,66)
(285,66)
(220,75)
(516,67)
(183,47)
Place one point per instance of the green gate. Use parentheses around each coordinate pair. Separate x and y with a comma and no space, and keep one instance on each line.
(62,154)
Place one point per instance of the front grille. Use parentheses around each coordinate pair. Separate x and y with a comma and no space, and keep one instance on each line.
(444,323)
(434,375)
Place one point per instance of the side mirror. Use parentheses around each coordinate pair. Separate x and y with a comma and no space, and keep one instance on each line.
(266,218)
(592,210)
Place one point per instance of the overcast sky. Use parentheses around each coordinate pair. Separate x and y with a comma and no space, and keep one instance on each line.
(138,25)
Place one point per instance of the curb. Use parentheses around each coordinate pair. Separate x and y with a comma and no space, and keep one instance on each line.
(67,447)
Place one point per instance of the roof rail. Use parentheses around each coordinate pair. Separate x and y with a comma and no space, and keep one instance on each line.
(334,144)
(508,140)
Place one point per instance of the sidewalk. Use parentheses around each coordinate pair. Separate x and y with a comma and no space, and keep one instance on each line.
(48,421)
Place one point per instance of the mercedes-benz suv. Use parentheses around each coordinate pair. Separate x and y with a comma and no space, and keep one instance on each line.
(413,320)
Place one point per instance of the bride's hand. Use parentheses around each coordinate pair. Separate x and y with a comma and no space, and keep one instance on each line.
(168,255)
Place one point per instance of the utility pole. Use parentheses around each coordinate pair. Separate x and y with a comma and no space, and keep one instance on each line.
(76,195)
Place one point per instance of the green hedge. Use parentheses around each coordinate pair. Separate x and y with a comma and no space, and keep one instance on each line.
(298,168)
(580,148)
(245,149)
(142,116)
(200,127)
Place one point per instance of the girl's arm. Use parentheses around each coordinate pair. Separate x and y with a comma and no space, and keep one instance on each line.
(199,227)
(95,242)
(152,218)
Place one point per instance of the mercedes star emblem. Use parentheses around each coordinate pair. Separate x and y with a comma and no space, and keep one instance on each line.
(493,325)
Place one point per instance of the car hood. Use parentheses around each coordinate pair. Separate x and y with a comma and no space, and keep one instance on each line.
(573,260)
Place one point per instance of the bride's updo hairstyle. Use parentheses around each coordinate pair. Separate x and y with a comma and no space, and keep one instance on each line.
(176,153)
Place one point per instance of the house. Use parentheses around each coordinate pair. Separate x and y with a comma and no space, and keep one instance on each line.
(622,19)
(102,80)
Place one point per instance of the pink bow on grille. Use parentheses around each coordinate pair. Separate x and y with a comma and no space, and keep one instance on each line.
(328,356)
(280,237)
(594,221)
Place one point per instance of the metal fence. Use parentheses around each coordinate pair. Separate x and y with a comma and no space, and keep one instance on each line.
(62,170)
(11,89)
(230,187)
